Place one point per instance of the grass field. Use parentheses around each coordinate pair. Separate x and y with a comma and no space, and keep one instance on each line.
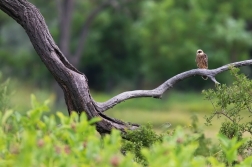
(175,108)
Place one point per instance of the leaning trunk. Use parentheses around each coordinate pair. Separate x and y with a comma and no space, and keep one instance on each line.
(73,83)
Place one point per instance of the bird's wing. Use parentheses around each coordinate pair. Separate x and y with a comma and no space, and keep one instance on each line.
(206,59)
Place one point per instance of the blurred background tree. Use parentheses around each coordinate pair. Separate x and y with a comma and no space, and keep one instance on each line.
(128,44)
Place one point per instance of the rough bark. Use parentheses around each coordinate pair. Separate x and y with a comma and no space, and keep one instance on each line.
(74,83)
(65,11)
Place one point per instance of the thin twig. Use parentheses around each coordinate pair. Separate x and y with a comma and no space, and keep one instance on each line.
(223,113)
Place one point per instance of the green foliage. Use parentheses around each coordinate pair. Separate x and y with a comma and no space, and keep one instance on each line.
(175,150)
(179,149)
(4,94)
(136,140)
(232,102)
(206,146)
(38,140)
(170,32)
(137,44)
(35,139)
(230,148)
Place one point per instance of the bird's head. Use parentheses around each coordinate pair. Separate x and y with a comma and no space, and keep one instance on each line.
(199,51)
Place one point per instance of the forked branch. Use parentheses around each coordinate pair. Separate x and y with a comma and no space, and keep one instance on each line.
(73,82)
(158,92)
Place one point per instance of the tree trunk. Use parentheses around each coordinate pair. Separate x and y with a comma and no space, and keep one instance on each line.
(65,10)
(73,83)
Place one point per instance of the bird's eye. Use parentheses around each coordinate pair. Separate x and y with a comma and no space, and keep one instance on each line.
(199,51)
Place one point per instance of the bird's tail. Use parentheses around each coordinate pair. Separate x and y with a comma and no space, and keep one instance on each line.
(205,77)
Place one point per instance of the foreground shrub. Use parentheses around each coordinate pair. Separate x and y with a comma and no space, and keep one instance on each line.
(233,103)
(4,94)
(38,140)
(136,140)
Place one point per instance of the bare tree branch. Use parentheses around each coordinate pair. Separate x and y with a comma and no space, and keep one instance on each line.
(158,92)
(75,83)
(226,115)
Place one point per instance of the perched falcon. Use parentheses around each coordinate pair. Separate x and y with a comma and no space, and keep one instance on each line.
(202,61)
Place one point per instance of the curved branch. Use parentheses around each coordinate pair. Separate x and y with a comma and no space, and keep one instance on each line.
(73,82)
(157,92)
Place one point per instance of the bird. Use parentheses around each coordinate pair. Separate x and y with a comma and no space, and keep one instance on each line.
(202,61)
